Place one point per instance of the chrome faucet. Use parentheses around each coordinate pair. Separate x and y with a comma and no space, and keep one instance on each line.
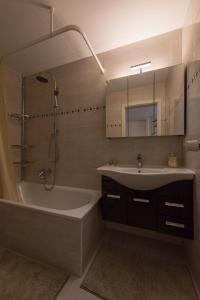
(139,161)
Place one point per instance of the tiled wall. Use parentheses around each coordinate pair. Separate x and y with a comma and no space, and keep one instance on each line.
(13,89)
(191,52)
(82,129)
(163,50)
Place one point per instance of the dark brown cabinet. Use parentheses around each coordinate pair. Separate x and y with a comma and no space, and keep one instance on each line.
(168,209)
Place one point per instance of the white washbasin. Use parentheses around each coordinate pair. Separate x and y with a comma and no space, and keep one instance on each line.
(145,178)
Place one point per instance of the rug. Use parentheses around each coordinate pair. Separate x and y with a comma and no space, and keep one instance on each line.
(128,267)
(24,279)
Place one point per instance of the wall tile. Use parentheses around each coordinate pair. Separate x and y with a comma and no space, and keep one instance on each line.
(191,52)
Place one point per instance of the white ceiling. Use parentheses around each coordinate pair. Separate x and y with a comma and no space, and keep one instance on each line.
(108,24)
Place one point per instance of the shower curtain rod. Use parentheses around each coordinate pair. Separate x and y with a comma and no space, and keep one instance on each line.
(55,33)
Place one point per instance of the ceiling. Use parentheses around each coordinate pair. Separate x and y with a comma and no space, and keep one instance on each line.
(108,24)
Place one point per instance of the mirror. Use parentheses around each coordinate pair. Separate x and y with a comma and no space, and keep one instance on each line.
(147,104)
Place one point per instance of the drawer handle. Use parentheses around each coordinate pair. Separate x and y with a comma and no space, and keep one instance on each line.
(171,204)
(141,200)
(113,196)
(173,224)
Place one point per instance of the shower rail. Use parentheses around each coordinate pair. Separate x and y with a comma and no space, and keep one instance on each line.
(53,34)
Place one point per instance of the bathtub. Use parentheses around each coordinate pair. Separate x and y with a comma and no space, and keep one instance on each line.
(61,227)
(72,202)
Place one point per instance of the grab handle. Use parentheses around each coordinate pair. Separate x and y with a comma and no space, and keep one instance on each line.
(141,200)
(171,204)
(113,196)
(173,224)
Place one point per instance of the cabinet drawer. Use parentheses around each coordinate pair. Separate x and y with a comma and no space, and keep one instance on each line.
(142,212)
(177,209)
(176,226)
(114,208)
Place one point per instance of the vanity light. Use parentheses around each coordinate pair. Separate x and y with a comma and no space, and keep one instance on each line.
(141,66)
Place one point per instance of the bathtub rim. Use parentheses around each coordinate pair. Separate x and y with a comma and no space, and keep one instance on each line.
(76,214)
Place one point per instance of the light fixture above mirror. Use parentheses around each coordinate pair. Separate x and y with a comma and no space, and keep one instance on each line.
(141,66)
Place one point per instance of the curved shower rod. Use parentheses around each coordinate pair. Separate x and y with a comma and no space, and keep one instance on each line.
(53,34)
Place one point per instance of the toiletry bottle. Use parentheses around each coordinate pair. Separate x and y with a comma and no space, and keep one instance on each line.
(113,162)
(172,161)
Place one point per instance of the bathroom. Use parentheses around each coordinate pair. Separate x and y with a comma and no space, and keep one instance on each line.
(99,144)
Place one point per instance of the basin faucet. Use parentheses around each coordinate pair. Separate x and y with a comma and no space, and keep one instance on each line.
(139,161)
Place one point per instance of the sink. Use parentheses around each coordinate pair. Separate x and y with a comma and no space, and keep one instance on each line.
(145,178)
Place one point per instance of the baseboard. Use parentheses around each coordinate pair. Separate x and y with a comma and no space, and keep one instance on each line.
(144,233)
(196,287)
(92,258)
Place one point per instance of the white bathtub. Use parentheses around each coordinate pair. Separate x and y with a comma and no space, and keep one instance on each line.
(61,227)
(71,202)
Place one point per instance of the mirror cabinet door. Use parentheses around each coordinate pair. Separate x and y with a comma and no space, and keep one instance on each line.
(172,100)
(116,101)
(141,109)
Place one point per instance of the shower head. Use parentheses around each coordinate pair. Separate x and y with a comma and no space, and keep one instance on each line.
(42,79)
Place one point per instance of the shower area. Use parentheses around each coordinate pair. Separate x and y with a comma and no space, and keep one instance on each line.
(44,103)
(61,101)
(53,147)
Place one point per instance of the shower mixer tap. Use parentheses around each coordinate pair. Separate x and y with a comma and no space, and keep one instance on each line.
(44,173)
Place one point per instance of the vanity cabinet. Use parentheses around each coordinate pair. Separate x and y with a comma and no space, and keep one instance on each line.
(168,209)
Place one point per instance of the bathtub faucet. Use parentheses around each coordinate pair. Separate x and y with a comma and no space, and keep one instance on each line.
(44,173)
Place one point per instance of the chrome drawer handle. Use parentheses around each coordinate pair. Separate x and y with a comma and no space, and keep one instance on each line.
(171,204)
(173,224)
(141,200)
(113,196)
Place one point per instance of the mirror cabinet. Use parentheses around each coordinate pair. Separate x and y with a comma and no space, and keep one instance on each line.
(146,104)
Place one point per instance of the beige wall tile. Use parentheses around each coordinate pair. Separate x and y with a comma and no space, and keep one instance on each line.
(92,229)
(163,50)
(53,239)
(22,231)
(62,243)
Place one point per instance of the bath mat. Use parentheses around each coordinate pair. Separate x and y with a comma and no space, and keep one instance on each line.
(133,268)
(25,279)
